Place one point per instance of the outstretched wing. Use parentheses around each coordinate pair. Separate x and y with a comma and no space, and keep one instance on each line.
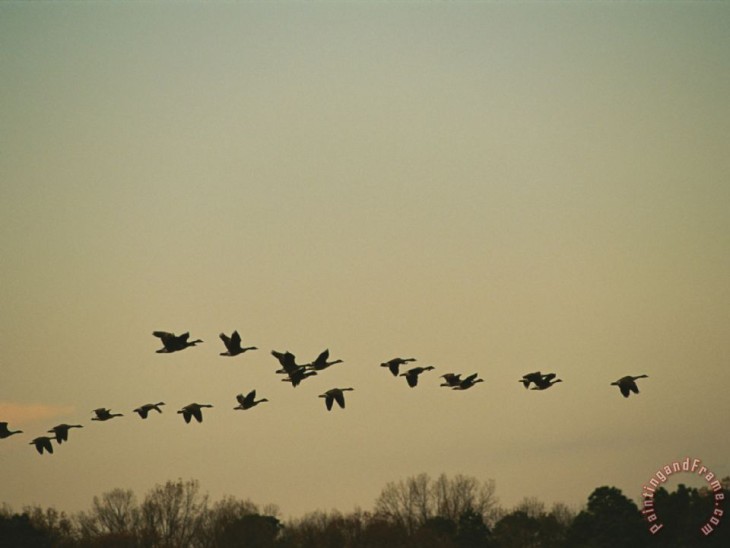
(322,358)
(412,379)
(339,398)
(197,413)
(286,359)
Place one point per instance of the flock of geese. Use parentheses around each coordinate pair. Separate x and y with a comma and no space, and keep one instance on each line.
(293,373)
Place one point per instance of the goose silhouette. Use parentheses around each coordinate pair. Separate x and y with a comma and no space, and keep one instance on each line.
(103,414)
(394,364)
(288,363)
(193,410)
(5,433)
(43,443)
(172,342)
(452,379)
(233,344)
(412,374)
(295,373)
(468,382)
(61,431)
(321,362)
(143,410)
(530,377)
(248,401)
(335,395)
(627,384)
(545,382)
(297,376)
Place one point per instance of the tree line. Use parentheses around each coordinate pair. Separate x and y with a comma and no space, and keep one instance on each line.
(418,512)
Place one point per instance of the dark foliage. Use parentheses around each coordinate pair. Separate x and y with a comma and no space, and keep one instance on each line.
(418,513)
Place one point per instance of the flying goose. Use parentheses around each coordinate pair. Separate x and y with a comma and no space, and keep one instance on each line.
(321,361)
(412,374)
(452,379)
(395,363)
(468,382)
(233,344)
(193,410)
(42,443)
(530,377)
(287,361)
(295,373)
(5,433)
(545,382)
(334,395)
(627,384)
(103,414)
(172,342)
(248,401)
(61,431)
(298,375)
(143,410)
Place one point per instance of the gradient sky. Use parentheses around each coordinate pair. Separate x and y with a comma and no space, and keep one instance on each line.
(495,188)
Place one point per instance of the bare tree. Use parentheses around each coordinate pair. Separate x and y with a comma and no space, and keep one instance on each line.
(407,502)
(115,512)
(531,506)
(172,513)
(412,502)
(463,493)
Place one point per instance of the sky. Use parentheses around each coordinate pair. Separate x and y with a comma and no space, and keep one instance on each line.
(490,187)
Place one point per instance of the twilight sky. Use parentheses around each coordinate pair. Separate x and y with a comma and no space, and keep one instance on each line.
(495,188)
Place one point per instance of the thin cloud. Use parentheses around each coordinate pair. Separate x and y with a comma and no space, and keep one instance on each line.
(22,413)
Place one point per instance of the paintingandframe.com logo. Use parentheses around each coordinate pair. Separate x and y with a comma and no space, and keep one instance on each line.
(691,466)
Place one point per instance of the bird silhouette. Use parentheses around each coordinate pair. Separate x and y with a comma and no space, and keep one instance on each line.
(143,410)
(295,373)
(321,362)
(248,401)
(5,433)
(61,431)
(394,364)
(103,414)
(297,376)
(193,410)
(530,377)
(335,395)
(412,374)
(172,342)
(545,382)
(42,443)
(468,382)
(287,361)
(452,379)
(627,384)
(233,344)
